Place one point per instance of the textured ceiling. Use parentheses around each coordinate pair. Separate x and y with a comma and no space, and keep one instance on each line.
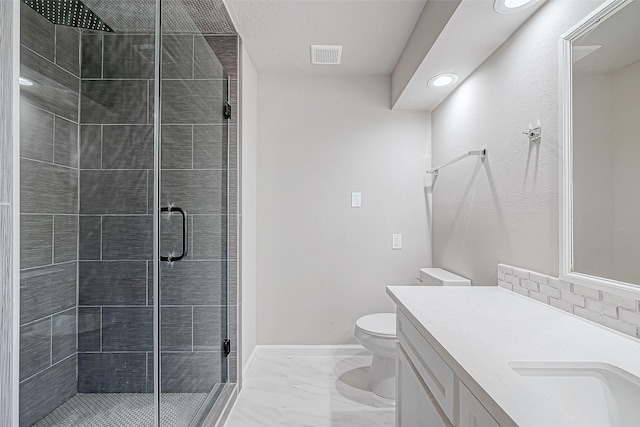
(277,33)
(183,16)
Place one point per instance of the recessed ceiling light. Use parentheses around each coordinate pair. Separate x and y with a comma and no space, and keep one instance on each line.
(512,6)
(25,82)
(443,80)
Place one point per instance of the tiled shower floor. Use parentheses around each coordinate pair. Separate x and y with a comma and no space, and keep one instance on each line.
(124,409)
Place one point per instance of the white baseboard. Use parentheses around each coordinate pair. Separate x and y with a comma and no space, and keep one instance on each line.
(250,361)
(309,350)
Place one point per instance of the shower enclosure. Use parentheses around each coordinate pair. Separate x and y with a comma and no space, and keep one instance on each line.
(127,183)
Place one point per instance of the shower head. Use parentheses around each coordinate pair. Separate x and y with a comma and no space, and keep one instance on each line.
(72,13)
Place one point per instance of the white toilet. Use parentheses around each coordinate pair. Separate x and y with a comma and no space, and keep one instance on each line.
(377,333)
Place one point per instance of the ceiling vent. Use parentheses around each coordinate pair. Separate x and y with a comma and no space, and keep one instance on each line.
(322,54)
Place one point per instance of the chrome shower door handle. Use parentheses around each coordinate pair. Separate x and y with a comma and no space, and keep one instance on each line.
(185,233)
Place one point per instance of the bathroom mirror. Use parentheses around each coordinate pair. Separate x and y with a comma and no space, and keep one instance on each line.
(600,84)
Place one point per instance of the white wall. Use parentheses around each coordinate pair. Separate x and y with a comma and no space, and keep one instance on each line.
(505,210)
(321,263)
(626,114)
(248,156)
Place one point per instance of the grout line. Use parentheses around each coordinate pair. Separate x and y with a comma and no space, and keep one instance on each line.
(51,342)
(47,265)
(48,163)
(100,238)
(53,239)
(49,367)
(101,329)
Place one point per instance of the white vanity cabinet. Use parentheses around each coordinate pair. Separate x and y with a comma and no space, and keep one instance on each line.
(429,394)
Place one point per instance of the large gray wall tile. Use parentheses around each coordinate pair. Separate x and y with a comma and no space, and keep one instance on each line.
(113,283)
(127,329)
(65,238)
(127,237)
(36,32)
(63,339)
(176,328)
(210,147)
(190,372)
(209,327)
(68,48)
(55,89)
(113,192)
(177,56)
(89,328)
(44,392)
(192,101)
(198,191)
(127,147)
(90,147)
(91,56)
(226,50)
(48,188)
(47,290)
(114,101)
(206,64)
(111,372)
(177,147)
(128,56)
(193,283)
(66,143)
(90,241)
(36,239)
(36,133)
(35,347)
(209,237)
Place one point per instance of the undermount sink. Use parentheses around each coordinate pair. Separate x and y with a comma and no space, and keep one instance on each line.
(593,393)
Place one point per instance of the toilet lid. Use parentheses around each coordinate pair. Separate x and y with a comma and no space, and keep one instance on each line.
(380,324)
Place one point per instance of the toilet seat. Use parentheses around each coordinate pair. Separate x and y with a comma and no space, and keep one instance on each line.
(382,325)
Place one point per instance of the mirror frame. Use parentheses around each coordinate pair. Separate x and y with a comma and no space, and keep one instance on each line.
(566,155)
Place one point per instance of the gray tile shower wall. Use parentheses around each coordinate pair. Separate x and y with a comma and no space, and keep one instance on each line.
(49,215)
(116,206)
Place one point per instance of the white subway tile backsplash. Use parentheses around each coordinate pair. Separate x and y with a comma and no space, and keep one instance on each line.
(587,314)
(620,326)
(505,268)
(562,305)
(539,297)
(521,290)
(602,307)
(629,316)
(521,273)
(509,278)
(540,278)
(612,310)
(586,291)
(572,298)
(534,286)
(619,300)
(551,291)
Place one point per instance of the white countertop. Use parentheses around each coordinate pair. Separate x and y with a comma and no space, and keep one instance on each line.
(479,330)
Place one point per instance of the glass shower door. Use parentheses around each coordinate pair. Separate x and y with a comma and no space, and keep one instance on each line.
(193,205)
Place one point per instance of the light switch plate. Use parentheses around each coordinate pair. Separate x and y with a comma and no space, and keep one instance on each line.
(356,200)
(397,241)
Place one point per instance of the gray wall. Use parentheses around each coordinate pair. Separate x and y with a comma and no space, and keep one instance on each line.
(116,208)
(8,45)
(49,214)
(504,210)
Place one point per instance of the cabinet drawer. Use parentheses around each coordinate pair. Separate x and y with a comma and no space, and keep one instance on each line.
(435,373)
(472,413)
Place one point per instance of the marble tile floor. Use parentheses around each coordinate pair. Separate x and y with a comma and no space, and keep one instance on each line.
(310,391)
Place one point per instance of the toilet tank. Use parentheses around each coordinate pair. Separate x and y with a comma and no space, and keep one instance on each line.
(440,277)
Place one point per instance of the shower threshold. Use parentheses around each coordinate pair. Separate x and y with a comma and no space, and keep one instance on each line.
(124,409)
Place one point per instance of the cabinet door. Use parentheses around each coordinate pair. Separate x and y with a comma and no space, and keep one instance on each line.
(472,413)
(415,405)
